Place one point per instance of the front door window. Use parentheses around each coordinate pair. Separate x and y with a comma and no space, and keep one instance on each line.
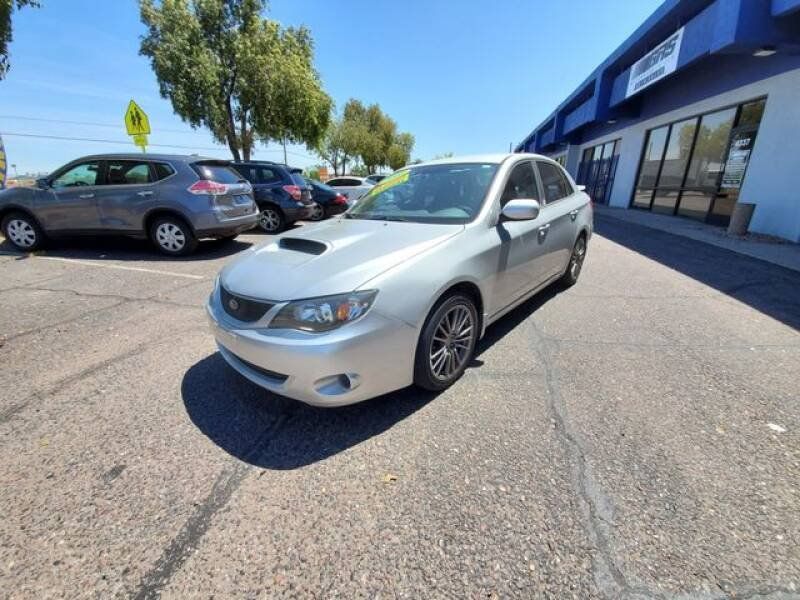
(82,175)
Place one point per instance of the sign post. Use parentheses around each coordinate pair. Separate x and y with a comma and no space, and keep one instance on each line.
(137,124)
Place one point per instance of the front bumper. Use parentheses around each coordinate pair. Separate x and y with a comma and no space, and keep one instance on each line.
(360,360)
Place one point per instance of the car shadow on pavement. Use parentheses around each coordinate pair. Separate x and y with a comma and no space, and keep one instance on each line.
(272,432)
(766,287)
(112,248)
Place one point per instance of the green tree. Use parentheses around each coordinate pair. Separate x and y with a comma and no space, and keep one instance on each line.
(6,8)
(243,77)
(399,153)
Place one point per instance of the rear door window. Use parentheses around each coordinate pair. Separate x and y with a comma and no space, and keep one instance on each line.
(127,172)
(554,183)
(221,173)
(163,170)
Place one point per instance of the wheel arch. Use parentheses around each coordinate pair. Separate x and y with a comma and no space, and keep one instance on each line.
(468,288)
(158,212)
(12,208)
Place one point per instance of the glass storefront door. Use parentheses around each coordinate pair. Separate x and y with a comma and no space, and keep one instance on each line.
(597,168)
(695,167)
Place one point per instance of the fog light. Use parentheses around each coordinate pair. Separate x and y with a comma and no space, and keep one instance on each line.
(337,384)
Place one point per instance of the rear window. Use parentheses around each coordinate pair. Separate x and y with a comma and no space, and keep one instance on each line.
(321,186)
(298,180)
(221,173)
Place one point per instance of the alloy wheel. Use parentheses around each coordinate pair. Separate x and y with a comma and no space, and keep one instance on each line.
(578,255)
(269,220)
(170,237)
(452,342)
(21,233)
(317,212)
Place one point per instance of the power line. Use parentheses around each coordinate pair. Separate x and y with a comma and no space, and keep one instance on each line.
(129,143)
(88,123)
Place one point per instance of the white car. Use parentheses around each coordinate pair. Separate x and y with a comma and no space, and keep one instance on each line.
(352,187)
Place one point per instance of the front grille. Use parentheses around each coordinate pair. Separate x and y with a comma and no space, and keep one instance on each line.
(243,308)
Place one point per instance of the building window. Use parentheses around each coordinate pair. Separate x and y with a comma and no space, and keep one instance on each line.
(597,168)
(683,166)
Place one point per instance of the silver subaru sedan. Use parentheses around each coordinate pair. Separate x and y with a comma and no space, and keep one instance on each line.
(399,289)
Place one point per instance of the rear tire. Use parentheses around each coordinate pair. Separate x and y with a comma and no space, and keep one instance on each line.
(172,236)
(317,212)
(447,343)
(575,265)
(23,231)
(271,219)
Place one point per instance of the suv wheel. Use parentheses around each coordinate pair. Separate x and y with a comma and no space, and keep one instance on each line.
(447,343)
(271,219)
(317,212)
(23,231)
(173,236)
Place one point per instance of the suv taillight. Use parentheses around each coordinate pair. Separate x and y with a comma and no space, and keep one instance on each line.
(206,187)
(340,199)
(294,191)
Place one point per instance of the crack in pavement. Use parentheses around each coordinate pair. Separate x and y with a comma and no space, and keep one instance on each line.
(11,412)
(181,547)
(608,576)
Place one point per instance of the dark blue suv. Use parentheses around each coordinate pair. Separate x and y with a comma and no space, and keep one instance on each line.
(281,193)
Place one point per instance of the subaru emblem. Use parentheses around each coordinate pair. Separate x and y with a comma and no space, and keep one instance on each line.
(233,304)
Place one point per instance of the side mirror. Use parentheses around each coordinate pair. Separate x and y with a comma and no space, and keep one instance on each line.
(42,183)
(521,209)
(580,188)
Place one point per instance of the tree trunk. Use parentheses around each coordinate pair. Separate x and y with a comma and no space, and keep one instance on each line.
(230,134)
(246,143)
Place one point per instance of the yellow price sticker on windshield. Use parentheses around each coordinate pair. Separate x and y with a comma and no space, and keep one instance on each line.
(390,182)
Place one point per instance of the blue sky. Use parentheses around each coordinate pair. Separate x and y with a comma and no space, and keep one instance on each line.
(463,77)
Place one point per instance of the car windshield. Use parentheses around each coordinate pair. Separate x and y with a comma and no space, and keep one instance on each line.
(449,193)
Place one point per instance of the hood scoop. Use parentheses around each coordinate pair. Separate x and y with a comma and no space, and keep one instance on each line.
(302,245)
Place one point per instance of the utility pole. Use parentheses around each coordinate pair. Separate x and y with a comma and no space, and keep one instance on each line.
(284,151)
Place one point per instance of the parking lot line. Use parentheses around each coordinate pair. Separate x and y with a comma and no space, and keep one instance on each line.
(90,263)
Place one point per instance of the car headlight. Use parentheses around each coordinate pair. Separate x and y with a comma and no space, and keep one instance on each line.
(324,314)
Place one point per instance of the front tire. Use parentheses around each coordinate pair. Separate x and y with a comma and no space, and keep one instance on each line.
(447,343)
(172,236)
(23,231)
(271,219)
(575,265)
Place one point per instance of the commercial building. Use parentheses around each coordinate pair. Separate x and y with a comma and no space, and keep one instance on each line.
(697,114)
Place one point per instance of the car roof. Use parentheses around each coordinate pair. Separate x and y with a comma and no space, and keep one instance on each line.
(481,158)
(347,177)
(149,156)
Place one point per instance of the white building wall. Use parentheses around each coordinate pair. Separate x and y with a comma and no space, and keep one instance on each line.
(772,181)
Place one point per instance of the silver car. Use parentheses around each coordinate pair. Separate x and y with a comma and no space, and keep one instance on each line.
(400,288)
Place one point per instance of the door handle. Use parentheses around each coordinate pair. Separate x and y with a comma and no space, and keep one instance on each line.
(144,194)
(86,196)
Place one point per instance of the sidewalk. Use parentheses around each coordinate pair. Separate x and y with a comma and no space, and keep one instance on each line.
(783,253)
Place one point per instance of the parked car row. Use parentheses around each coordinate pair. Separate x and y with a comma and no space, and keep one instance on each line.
(174,201)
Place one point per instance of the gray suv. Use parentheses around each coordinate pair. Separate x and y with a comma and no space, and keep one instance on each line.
(172,200)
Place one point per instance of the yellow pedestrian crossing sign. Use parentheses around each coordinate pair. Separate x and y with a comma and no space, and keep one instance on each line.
(136,121)
(140,139)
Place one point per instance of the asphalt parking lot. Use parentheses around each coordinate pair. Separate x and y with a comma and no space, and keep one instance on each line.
(634,436)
